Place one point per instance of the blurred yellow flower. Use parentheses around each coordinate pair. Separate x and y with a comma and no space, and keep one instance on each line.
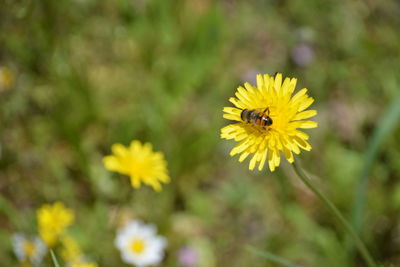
(52,220)
(268,119)
(70,251)
(140,163)
(7,78)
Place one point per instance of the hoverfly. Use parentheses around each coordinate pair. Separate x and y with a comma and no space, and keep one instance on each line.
(256,116)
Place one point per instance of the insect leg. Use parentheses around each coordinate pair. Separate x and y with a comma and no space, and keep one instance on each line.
(265,110)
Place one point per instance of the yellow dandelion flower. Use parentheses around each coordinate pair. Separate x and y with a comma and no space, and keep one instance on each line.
(52,222)
(268,119)
(140,163)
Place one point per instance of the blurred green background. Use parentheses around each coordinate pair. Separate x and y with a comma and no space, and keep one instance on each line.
(87,74)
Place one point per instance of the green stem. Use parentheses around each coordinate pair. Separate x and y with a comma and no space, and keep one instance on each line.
(125,196)
(360,245)
(271,257)
(54,258)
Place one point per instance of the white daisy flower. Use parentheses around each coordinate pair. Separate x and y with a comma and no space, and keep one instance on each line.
(28,249)
(139,244)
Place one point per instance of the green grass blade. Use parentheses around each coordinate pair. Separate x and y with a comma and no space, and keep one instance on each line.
(53,257)
(269,256)
(388,123)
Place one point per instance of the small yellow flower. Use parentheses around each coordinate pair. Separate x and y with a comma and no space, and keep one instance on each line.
(140,163)
(7,78)
(53,220)
(70,251)
(287,112)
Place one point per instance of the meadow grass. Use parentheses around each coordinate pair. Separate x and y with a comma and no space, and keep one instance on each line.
(89,74)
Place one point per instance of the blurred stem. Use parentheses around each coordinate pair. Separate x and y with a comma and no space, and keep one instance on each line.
(271,257)
(360,245)
(54,258)
(125,197)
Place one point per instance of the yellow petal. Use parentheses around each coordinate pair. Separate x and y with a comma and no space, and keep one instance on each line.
(135,146)
(285,86)
(291,86)
(267,83)
(243,95)
(305,104)
(135,181)
(242,146)
(231,110)
(294,147)
(250,88)
(252,94)
(232,117)
(262,161)
(301,134)
(302,143)
(288,155)
(111,163)
(243,156)
(237,103)
(271,164)
(308,124)
(154,184)
(163,177)
(272,141)
(253,162)
(147,147)
(298,95)
(260,82)
(304,115)
(230,131)
(119,150)
(278,82)
(277,157)
(240,136)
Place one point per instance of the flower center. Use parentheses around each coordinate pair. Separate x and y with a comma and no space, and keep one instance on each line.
(29,249)
(137,246)
(141,167)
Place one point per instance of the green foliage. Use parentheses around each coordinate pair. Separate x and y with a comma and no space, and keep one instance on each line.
(89,74)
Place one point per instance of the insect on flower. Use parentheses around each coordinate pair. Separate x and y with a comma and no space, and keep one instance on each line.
(268,118)
(256,116)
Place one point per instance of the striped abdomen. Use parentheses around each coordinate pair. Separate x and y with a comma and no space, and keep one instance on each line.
(256,116)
